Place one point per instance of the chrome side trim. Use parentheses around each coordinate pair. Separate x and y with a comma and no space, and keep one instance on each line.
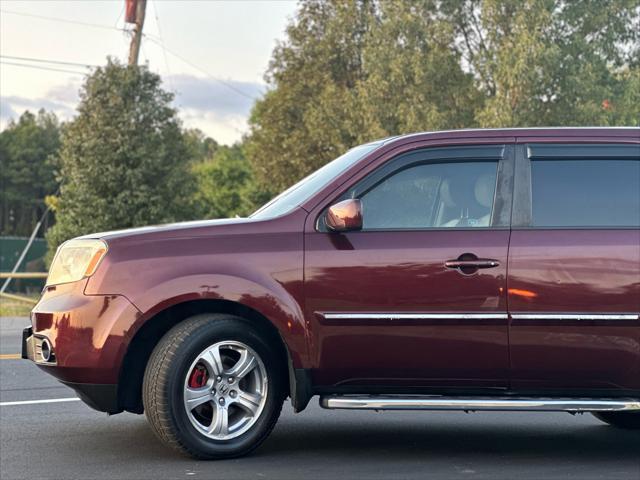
(485,403)
(415,316)
(574,316)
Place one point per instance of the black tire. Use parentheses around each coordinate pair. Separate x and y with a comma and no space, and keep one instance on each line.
(162,389)
(627,420)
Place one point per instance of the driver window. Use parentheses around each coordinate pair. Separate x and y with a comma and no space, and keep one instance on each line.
(433,195)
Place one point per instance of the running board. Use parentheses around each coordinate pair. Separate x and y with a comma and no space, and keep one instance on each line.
(370,402)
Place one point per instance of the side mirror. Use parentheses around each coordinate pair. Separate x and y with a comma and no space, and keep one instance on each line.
(345,216)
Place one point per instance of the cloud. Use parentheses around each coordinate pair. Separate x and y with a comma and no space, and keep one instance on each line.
(24,103)
(6,111)
(213,107)
(67,93)
(218,109)
(13,106)
(225,100)
(60,99)
(226,130)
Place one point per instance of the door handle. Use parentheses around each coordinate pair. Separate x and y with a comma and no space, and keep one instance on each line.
(479,263)
(468,263)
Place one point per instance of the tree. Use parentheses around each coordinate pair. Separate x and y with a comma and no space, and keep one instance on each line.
(414,80)
(353,71)
(200,146)
(26,175)
(225,186)
(123,161)
(551,62)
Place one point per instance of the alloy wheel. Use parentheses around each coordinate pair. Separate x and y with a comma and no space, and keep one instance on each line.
(225,390)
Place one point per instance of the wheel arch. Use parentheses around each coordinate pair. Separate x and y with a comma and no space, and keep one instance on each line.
(149,333)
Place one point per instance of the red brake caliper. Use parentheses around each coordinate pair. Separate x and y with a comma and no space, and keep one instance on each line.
(198,377)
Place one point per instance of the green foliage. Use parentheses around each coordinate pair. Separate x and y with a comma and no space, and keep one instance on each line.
(200,146)
(123,161)
(552,62)
(26,175)
(352,71)
(414,79)
(225,186)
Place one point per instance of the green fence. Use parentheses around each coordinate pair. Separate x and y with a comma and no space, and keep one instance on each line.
(10,250)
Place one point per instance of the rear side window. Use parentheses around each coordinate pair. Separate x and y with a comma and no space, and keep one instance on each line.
(585,193)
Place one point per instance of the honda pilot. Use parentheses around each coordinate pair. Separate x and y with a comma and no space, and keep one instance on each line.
(462,270)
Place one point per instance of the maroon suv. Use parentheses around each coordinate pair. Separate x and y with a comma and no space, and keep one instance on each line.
(462,270)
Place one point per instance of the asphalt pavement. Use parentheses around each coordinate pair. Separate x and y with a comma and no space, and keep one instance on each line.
(69,440)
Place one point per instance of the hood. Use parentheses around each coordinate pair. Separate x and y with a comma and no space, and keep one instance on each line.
(180,229)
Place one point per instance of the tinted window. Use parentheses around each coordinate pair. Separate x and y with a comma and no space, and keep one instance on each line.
(585,193)
(435,195)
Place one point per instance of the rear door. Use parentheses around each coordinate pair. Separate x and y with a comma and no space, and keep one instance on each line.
(574,268)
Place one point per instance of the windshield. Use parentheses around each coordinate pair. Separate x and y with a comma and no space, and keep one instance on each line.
(297,194)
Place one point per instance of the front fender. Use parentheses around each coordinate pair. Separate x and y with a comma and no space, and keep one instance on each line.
(257,265)
(274,303)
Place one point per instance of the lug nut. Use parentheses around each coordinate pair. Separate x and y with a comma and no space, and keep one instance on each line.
(218,378)
(221,401)
(232,394)
(230,379)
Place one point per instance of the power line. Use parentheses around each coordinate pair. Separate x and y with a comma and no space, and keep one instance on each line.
(143,50)
(63,20)
(193,65)
(41,60)
(164,50)
(108,27)
(39,67)
(115,25)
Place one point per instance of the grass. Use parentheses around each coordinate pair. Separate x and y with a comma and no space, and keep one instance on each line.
(14,308)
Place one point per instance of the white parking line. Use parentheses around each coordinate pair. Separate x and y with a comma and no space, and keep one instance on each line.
(33,402)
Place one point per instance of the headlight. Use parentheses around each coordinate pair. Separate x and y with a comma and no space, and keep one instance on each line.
(75,260)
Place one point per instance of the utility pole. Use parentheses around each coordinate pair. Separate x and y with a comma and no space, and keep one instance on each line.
(135,11)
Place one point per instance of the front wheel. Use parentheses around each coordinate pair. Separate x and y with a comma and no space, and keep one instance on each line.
(214,387)
(628,420)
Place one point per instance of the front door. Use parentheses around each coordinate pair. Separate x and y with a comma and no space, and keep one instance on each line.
(418,297)
(574,269)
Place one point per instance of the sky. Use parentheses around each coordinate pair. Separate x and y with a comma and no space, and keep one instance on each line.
(211,54)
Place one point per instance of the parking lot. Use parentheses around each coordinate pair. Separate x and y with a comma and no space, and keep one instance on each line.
(69,440)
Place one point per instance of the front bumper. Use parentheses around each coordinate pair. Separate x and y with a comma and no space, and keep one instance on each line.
(27,347)
(32,348)
(87,336)
(101,397)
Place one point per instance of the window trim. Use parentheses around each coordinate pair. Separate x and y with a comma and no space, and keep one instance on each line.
(522,212)
(502,154)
